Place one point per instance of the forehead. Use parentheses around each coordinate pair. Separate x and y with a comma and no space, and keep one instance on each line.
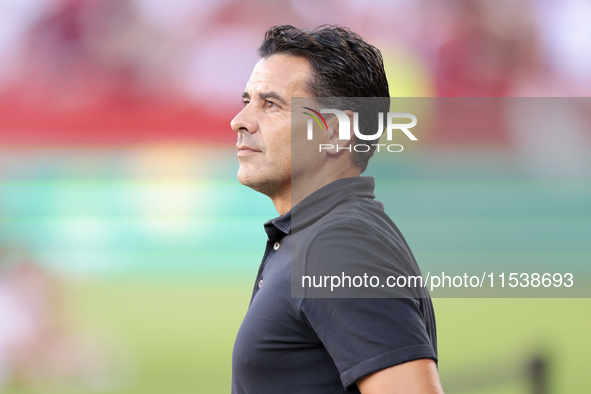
(284,74)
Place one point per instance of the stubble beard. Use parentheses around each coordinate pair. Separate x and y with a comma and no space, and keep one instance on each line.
(265,184)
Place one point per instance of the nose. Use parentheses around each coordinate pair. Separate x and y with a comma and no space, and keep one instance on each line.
(244,121)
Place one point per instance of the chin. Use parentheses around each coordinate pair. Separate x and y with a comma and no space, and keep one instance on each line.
(258,183)
(246,179)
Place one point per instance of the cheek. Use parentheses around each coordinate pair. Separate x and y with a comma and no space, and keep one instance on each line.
(281,157)
(280,146)
(304,151)
(303,147)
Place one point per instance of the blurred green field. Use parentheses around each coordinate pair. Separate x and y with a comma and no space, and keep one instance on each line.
(178,334)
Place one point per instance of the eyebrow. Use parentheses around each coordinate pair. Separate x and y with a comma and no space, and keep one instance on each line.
(267,96)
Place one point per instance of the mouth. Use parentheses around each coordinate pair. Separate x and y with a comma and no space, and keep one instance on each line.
(245,150)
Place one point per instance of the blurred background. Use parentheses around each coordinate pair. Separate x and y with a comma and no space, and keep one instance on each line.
(128,250)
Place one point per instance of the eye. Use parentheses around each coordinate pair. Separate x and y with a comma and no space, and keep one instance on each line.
(269,104)
(245,102)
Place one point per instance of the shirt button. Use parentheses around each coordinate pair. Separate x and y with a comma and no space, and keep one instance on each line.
(276,246)
(260,283)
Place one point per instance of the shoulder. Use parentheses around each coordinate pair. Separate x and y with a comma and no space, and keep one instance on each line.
(352,241)
(357,226)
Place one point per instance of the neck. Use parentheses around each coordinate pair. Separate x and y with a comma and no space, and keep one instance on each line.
(282,201)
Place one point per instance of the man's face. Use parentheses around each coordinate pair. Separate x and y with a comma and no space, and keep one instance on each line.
(264,125)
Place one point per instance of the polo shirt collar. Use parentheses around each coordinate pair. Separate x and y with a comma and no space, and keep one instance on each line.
(279,227)
(318,204)
(323,200)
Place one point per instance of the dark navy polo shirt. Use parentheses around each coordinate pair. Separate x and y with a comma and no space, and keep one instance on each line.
(324,345)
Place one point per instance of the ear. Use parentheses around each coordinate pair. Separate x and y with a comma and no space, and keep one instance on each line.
(334,133)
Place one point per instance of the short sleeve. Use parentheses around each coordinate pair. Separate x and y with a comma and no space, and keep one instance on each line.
(365,335)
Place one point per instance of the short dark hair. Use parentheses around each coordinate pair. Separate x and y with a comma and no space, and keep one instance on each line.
(344,66)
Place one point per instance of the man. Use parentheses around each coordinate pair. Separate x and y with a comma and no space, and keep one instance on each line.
(322,345)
